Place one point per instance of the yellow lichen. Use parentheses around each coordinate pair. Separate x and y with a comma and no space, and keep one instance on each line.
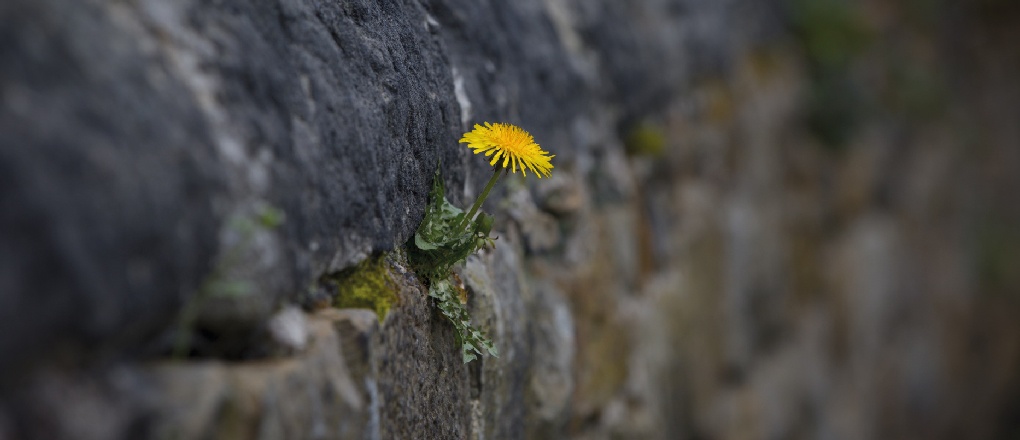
(369,285)
(646,140)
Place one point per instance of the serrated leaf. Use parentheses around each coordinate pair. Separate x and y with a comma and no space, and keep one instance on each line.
(439,244)
(471,339)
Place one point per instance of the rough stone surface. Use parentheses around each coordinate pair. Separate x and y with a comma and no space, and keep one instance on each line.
(109,182)
(499,383)
(823,245)
(551,379)
(123,151)
(309,396)
(421,380)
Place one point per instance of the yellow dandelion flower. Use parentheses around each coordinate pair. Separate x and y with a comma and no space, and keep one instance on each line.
(511,143)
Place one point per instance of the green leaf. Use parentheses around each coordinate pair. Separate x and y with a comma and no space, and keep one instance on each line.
(472,341)
(439,244)
(423,243)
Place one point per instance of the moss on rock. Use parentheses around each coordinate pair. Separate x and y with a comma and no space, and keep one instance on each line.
(369,285)
(646,139)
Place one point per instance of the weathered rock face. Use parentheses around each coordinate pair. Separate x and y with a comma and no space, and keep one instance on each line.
(137,138)
(767,219)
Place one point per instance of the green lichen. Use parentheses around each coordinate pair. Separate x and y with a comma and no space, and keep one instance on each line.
(369,285)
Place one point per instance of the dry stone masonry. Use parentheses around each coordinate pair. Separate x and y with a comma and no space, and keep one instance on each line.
(767,219)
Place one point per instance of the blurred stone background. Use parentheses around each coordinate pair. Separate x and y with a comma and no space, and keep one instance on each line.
(768,219)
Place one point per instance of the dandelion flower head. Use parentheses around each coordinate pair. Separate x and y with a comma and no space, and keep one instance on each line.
(512,144)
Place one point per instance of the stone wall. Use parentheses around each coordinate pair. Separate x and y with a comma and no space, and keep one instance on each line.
(767,219)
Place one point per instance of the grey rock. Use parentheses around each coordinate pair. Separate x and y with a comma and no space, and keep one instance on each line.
(133,133)
(108,188)
(193,167)
(509,71)
(562,195)
(289,329)
(421,381)
(310,396)
(498,305)
(551,381)
(358,330)
(56,404)
(540,231)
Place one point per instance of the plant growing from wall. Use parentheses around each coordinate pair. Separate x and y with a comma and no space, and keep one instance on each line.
(448,235)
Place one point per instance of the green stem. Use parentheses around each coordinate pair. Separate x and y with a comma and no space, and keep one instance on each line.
(481,198)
